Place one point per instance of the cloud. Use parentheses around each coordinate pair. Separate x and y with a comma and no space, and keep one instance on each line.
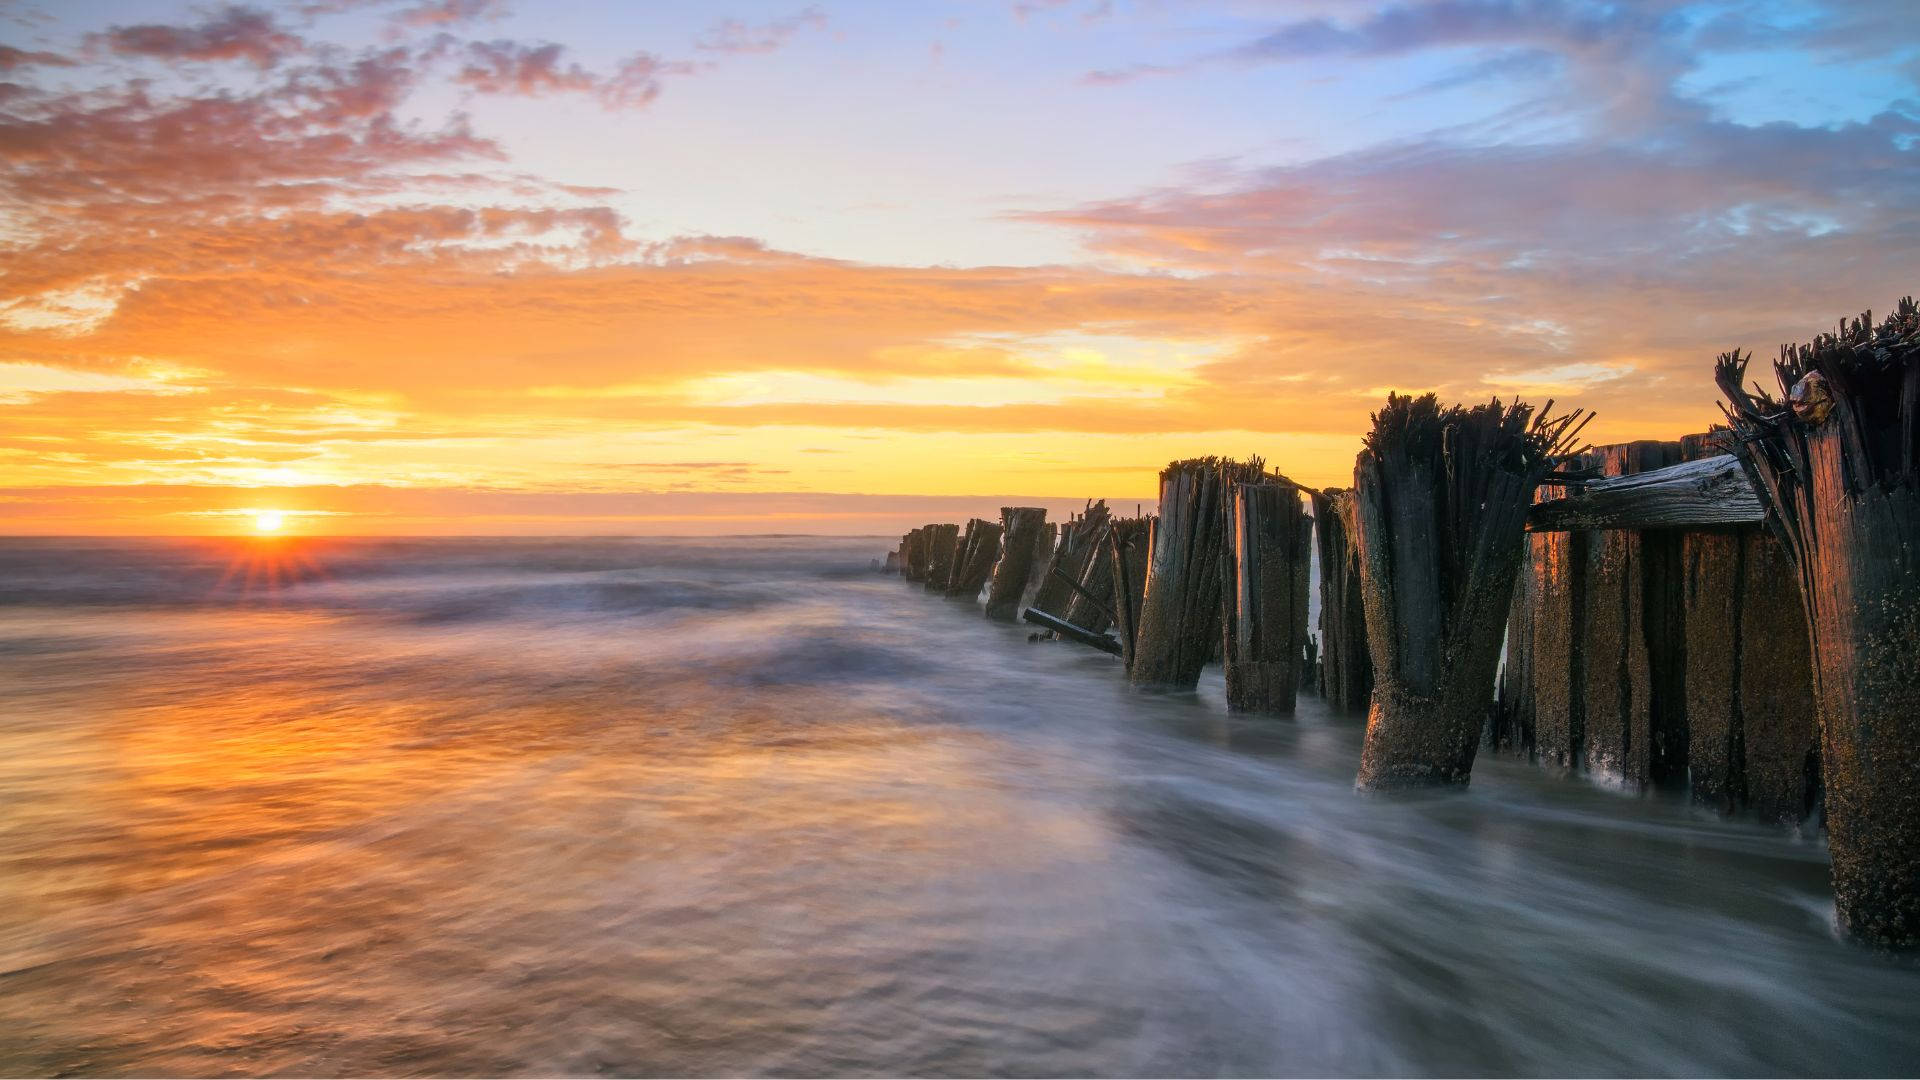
(234,33)
(735,36)
(444,13)
(508,67)
(12,58)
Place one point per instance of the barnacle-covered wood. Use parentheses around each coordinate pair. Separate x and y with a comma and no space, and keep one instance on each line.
(1836,461)
(1441,497)
(1023,530)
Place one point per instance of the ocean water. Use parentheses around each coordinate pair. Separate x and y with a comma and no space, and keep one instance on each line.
(502,807)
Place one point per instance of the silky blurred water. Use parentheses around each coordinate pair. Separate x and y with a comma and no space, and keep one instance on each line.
(506,807)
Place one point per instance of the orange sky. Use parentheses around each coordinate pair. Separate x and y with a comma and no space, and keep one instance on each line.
(442,266)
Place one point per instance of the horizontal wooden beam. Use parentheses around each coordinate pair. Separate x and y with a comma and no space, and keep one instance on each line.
(1071,632)
(1711,492)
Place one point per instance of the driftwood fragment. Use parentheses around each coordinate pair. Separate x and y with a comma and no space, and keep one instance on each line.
(1266,632)
(1023,529)
(1441,496)
(1837,462)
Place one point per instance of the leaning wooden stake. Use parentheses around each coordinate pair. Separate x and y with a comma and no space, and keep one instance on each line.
(1440,500)
(1024,529)
(1837,461)
(1266,635)
(1180,616)
(1346,667)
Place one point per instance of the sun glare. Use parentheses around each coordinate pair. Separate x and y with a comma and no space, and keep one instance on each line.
(268,521)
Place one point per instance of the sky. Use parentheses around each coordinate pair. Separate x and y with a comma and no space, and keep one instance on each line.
(479,266)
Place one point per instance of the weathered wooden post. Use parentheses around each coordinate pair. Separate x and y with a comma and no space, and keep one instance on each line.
(1127,545)
(1093,600)
(1070,558)
(1180,623)
(1023,531)
(1266,631)
(915,568)
(1633,648)
(1440,505)
(942,543)
(976,559)
(1751,738)
(1555,564)
(1837,462)
(1346,666)
(1045,545)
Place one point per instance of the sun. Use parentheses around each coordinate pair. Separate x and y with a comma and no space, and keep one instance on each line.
(268,521)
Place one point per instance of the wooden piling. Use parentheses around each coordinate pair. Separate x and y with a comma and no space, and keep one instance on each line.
(1070,558)
(1023,530)
(1633,667)
(1752,741)
(1837,462)
(943,542)
(1266,633)
(1127,545)
(917,551)
(1441,496)
(1180,614)
(1091,606)
(1045,546)
(1346,667)
(974,564)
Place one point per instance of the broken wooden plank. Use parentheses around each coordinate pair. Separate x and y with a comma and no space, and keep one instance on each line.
(1705,493)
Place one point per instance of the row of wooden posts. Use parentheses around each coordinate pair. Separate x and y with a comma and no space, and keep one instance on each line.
(1735,614)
